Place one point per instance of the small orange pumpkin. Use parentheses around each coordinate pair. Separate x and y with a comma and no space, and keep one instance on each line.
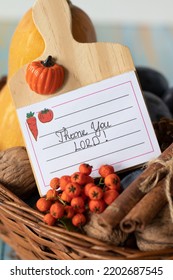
(44,77)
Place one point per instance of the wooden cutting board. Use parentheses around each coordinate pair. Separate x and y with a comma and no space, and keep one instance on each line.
(84,63)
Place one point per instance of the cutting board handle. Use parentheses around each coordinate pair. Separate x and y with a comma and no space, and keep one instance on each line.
(47,15)
(84,63)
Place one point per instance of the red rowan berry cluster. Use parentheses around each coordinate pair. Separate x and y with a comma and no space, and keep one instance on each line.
(73,196)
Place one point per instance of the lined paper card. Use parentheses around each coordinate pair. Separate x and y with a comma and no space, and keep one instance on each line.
(104,123)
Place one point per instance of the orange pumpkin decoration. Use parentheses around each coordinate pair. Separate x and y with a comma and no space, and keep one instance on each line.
(44,77)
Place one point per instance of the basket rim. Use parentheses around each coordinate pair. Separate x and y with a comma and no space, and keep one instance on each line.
(14,209)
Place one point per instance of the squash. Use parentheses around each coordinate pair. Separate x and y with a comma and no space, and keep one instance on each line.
(11,135)
(26,45)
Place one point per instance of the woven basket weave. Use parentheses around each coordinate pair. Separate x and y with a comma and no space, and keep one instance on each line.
(21,227)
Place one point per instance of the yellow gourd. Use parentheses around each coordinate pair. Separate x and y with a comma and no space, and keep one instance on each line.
(26,45)
(11,135)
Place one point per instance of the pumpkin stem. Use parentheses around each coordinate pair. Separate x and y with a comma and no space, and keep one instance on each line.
(48,62)
(69,2)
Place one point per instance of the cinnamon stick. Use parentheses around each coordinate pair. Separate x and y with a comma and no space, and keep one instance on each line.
(114,213)
(146,209)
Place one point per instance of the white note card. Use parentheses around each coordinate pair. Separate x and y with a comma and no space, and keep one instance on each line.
(104,123)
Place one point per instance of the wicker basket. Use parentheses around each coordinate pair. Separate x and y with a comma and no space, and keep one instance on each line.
(22,228)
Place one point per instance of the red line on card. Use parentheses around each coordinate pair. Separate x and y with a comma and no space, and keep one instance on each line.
(115,163)
(142,116)
(35,154)
(132,157)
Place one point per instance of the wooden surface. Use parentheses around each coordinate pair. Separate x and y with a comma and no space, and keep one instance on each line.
(150,46)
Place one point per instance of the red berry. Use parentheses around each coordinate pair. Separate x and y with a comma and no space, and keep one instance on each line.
(109,196)
(95,193)
(97,206)
(105,170)
(85,168)
(78,219)
(73,189)
(49,219)
(57,210)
